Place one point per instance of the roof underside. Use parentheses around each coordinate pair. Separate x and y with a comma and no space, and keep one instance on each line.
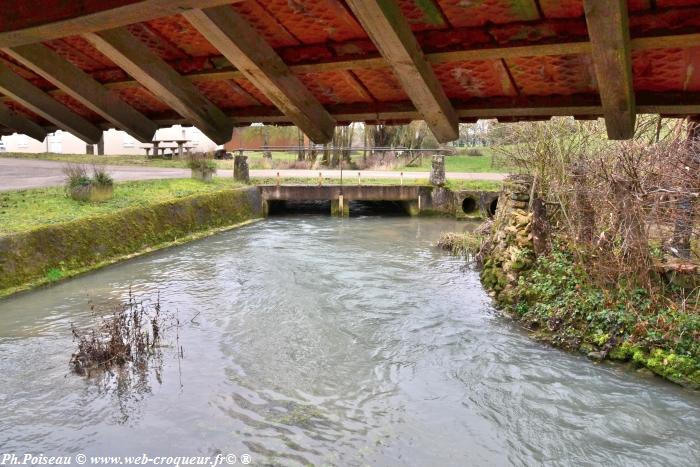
(506,59)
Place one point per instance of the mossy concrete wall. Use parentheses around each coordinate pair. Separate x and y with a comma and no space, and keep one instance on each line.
(52,252)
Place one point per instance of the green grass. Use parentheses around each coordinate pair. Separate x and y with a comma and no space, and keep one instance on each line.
(456,163)
(24,210)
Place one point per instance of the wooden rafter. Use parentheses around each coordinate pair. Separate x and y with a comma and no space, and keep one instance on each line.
(608,29)
(161,79)
(392,35)
(21,124)
(45,106)
(248,51)
(640,43)
(82,87)
(135,12)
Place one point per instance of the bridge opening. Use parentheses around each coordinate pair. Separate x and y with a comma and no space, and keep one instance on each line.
(283,207)
(493,205)
(377,208)
(469,205)
(356,208)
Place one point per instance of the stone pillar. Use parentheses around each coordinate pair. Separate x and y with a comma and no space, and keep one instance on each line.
(240,169)
(437,174)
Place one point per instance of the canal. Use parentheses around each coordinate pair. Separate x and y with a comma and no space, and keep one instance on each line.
(314,340)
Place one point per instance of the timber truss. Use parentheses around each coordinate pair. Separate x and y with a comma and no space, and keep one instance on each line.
(87,65)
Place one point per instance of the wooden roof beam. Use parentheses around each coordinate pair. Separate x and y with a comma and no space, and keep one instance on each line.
(111,18)
(134,57)
(608,29)
(82,87)
(248,51)
(392,35)
(21,124)
(45,106)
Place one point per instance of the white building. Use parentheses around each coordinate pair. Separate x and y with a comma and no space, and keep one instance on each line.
(115,142)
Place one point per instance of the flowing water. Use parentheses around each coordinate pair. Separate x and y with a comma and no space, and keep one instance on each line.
(313,340)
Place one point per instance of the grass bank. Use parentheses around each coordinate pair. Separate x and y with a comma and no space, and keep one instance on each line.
(86,237)
(21,211)
(562,305)
(460,162)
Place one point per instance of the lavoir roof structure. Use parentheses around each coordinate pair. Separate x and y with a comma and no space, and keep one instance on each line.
(87,65)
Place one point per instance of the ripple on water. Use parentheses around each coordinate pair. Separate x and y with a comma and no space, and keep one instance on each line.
(313,340)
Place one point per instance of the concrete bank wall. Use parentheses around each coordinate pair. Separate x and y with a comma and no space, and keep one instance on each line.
(50,253)
(419,200)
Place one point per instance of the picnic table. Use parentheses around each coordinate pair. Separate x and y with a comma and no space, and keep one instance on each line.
(159,148)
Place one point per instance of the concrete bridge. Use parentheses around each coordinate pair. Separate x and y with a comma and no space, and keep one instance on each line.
(415,199)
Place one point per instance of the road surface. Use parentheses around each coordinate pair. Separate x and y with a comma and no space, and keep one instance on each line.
(22,174)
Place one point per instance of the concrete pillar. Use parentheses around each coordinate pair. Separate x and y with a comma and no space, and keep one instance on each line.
(240,169)
(412,208)
(340,207)
(101,146)
(437,173)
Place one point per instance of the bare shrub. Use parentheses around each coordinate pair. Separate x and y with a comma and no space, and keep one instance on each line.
(474,152)
(294,165)
(379,160)
(76,175)
(129,333)
(621,204)
(467,244)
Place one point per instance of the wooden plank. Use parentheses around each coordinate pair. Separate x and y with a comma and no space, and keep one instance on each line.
(21,124)
(82,87)
(44,105)
(248,51)
(375,63)
(136,12)
(608,29)
(392,35)
(161,79)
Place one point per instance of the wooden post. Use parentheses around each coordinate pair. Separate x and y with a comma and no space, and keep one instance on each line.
(685,204)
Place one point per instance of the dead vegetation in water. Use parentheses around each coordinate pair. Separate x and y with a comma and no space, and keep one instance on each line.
(128,333)
(466,244)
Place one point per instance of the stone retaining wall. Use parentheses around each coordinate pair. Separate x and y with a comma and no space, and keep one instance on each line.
(509,249)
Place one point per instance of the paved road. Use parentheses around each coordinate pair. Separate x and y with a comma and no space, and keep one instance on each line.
(20,174)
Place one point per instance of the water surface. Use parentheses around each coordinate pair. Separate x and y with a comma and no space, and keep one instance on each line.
(312,340)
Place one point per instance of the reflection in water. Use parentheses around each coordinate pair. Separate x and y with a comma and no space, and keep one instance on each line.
(312,340)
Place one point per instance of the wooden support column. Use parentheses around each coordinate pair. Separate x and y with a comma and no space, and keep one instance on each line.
(82,87)
(134,57)
(21,124)
(248,51)
(45,106)
(392,35)
(608,29)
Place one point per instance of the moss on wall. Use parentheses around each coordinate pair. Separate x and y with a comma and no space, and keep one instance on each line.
(553,297)
(50,253)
